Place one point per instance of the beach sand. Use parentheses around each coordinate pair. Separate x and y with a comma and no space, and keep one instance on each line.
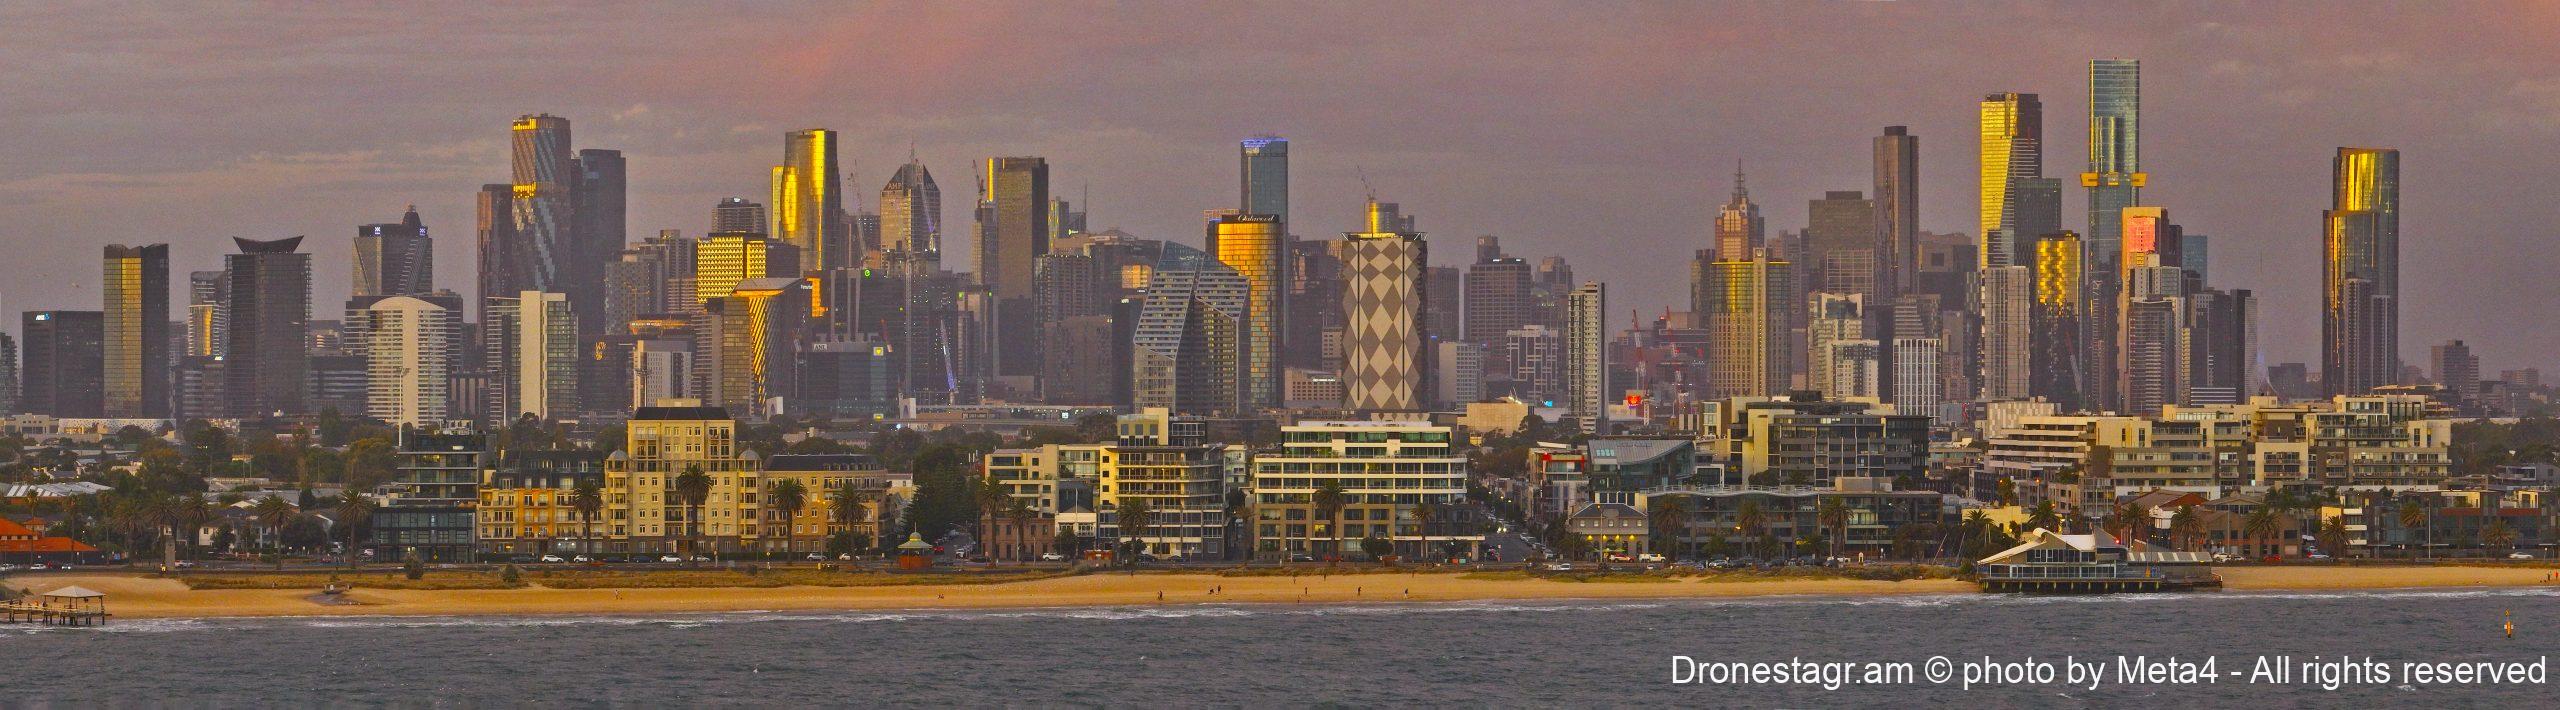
(136,596)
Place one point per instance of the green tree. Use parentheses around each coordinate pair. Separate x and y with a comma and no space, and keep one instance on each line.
(988,495)
(2333,537)
(1377,548)
(2187,525)
(2262,525)
(1019,512)
(845,505)
(587,500)
(693,488)
(2044,516)
(1833,516)
(353,513)
(1136,519)
(1423,513)
(2414,517)
(1668,517)
(1328,500)
(274,513)
(2498,536)
(788,497)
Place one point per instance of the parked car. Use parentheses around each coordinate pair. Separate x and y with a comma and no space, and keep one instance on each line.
(553,559)
(10,567)
(186,564)
(2519,555)
(581,559)
(1302,557)
(816,557)
(1560,567)
(670,558)
(1052,557)
(1649,557)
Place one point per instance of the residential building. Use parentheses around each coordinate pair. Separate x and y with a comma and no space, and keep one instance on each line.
(266,363)
(434,489)
(1386,469)
(1383,354)
(2360,273)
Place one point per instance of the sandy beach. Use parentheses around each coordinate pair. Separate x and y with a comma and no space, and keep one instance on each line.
(137,596)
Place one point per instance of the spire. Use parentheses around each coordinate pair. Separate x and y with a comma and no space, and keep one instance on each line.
(1740,193)
(411,218)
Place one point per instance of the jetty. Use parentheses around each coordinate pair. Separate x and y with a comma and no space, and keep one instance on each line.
(2049,562)
(68,606)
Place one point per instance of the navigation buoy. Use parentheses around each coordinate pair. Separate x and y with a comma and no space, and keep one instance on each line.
(2511,623)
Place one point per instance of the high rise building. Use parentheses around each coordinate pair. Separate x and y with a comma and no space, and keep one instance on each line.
(1188,348)
(267,366)
(808,202)
(1739,228)
(600,232)
(1461,367)
(911,212)
(2114,181)
(1013,204)
(1384,267)
(394,259)
(2012,133)
(1264,169)
(505,261)
(10,402)
(1256,247)
(2058,371)
(738,214)
(1498,298)
(2456,370)
(1897,205)
(723,259)
(1838,353)
(2360,275)
(135,346)
(1842,253)
(208,294)
(544,202)
(530,343)
(1917,386)
(2221,344)
(1747,307)
(409,359)
(2008,293)
(747,348)
(62,374)
(1586,355)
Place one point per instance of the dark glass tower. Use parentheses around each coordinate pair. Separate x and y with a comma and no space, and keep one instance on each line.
(267,367)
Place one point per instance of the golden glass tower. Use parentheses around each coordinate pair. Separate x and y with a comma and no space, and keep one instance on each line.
(723,259)
(2360,273)
(1256,246)
(136,346)
(1747,317)
(2012,133)
(808,209)
(2058,371)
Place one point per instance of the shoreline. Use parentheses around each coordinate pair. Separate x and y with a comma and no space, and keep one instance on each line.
(141,596)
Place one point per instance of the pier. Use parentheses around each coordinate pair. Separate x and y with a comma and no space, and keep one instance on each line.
(68,606)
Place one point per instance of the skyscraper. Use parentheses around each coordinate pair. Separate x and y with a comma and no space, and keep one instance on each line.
(808,202)
(544,202)
(598,232)
(61,374)
(2012,133)
(530,343)
(1383,268)
(1586,354)
(723,259)
(1897,206)
(1739,228)
(2058,371)
(1188,351)
(911,212)
(2008,293)
(1747,310)
(2114,181)
(1013,199)
(746,350)
(2360,275)
(394,259)
(739,214)
(135,345)
(266,364)
(505,261)
(2457,370)
(1842,252)
(409,359)
(1840,360)
(1256,247)
(1498,298)
(1264,169)
(208,294)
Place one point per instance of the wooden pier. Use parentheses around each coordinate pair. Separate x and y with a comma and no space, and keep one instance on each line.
(26,613)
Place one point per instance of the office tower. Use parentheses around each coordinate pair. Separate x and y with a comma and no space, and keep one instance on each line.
(747,348)
(1532,358)
(662,367)
(10,402)
(808,202)
(208,294)
(1842,253)
(2360,275)
(408,359)
(1498,298)
(1747,306)
(530,343)
(1918,387)
(505,261)
(1586,354)
(738,214)
(2058,373)
(394,259)
(723,259)
(1443,295)
(1256,247)
(2154,338)
(2220,347)
(1384,269)
(2034,210)
(2457,370)
(1739,228)
(267,365)
(911,212)
(62,373)
(1897,206)
(1838,351)
(1189,346)
(1462,374)
(2012,133)
(1013,200)
(1263,165)
(599,232)
(1065,221)
(2114,181)
(544,200)
(1315,302)
(135,332)
(2007,329)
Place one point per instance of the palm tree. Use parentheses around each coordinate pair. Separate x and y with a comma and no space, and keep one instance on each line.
(1749,517)
(2007,490)
(990,498)
(2130,518)
(587,499)
(1978,534)
(846,506)
(1019,511)
(2044,516)
(274,513)
(1136,518)
(2414,517)
(2262,524)
(1423,514)
(189,514)
(1328,501)
(789,496)
(2333,537)
(2186,524)
(353,509)
(2497,535)
(1670,518)
(693,489)
(1833,516)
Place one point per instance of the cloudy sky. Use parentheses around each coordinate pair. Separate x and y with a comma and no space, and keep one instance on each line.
(1603,131)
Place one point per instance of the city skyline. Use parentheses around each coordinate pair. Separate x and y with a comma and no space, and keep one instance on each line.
(2240,130)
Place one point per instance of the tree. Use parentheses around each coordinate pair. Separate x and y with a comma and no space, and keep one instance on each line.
(845,505)
(788,497)
(1669,516)
(190,514)
(2262,525)
(989,497)
(1377,548)
(2186,524)
(2414,517)
(2333,537)
(1833,516)
(2007,490)
(2044,516)
(353,512)
(1423,514)
(587,500)
(1019,511)
(2497,535)
(1136,518)
(2127,519)
(693,488)
(1328,500)
(273,513)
